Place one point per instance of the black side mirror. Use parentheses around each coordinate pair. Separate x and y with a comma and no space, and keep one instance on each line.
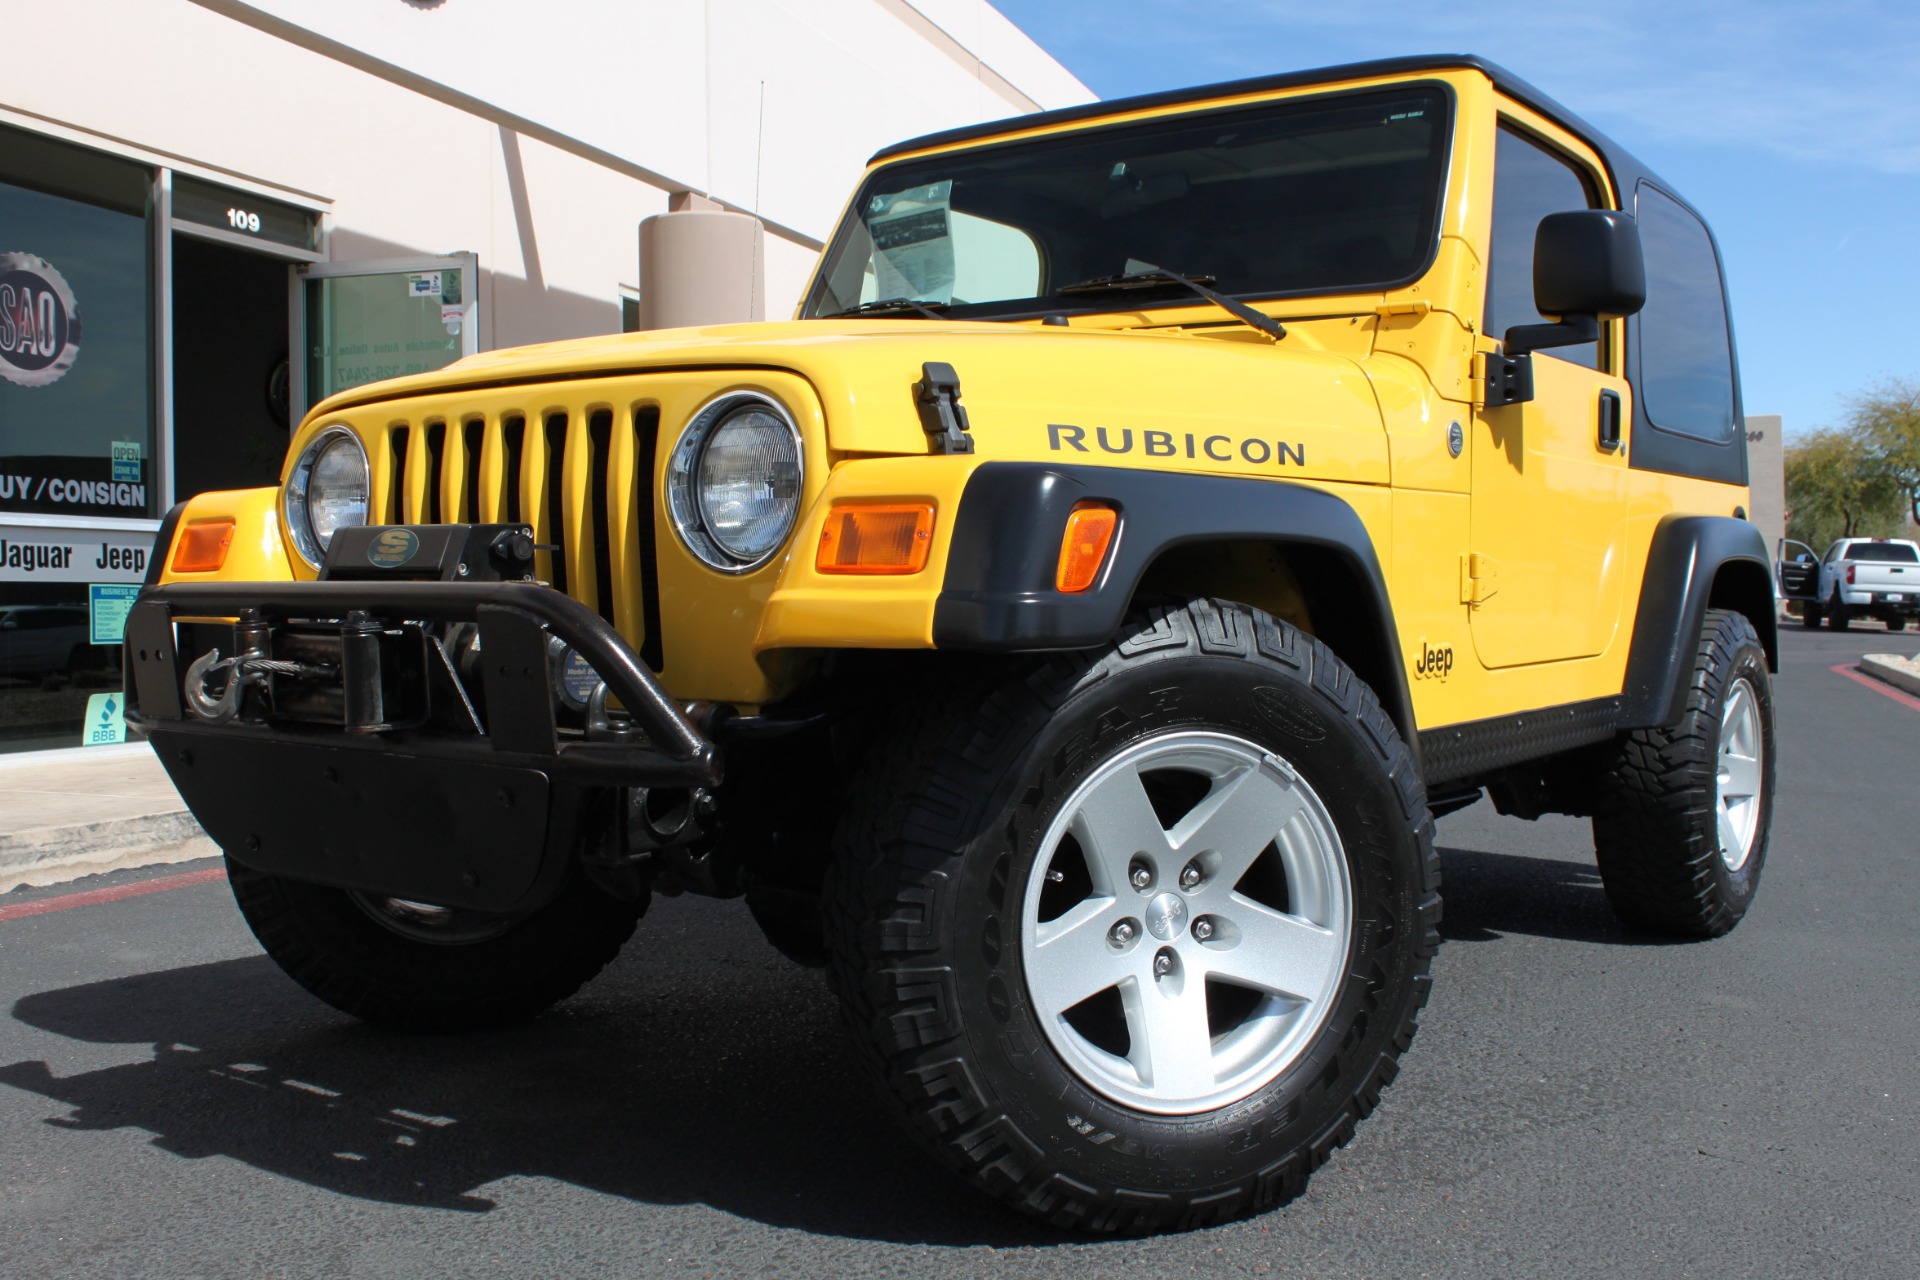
(1587,265)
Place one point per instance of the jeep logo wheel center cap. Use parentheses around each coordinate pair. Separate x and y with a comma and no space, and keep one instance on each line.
(1166,916)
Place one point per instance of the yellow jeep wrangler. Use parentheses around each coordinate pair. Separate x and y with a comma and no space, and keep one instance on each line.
(1064,630)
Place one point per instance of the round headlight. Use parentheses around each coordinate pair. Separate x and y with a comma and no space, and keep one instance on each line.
(327,491)
(733,488)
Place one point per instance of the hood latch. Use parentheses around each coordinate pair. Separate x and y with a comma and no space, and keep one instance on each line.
(941,415)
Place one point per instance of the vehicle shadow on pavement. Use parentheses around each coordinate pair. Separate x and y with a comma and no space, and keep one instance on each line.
(669,1087)
(1490,895)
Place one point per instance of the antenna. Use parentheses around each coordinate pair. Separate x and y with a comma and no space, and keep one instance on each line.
(759,155)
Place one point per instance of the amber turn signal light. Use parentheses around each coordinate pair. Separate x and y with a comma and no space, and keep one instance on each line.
(203,546)
(876,537)
(1083,548)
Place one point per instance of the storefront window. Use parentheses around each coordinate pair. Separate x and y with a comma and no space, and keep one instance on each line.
(50,669)
(76,342)
(76,434)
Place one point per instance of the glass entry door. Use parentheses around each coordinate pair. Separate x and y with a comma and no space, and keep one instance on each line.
(366,321)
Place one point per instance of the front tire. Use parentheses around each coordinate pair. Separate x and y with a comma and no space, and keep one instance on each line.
(1682,821)
(417,967)
(1133,938)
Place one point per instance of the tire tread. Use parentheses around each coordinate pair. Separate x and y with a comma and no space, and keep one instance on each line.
(1657,855)
(928,782)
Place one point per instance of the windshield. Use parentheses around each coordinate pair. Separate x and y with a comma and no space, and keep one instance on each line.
(1332,194)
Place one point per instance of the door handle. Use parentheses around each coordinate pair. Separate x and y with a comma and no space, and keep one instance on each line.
(1609,440)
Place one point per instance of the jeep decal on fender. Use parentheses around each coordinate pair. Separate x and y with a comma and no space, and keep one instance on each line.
(1433,664)
(1165,444)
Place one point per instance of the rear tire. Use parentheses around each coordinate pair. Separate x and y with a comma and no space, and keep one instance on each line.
(1681,823)
(1838,615)
(408,966)
(1897,622)
(1050,803)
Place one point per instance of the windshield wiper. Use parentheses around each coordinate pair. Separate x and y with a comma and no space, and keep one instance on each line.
(1194,284)
(891,306)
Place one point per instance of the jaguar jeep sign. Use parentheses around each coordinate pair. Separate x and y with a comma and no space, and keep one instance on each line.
(72,555)
(39,321)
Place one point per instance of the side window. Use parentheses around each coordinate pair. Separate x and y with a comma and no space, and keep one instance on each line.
(1686,354)
(1529,182)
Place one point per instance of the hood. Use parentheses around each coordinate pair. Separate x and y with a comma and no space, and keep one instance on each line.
(1133,397)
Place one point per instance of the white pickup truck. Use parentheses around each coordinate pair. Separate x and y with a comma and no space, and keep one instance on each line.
(1874,577)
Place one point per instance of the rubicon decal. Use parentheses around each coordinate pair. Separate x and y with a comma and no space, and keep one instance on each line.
(1433,663)
(1251,450)
(39,321)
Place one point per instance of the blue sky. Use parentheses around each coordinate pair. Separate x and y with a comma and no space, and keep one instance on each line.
(1795,127)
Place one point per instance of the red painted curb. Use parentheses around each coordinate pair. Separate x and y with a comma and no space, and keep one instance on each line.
(68,901)
(1878,686)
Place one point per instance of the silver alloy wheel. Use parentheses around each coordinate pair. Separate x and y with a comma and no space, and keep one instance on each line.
(1245,894)
(1738,775)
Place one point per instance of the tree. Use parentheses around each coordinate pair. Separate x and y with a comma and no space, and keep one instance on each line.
(1839,486)
(1888,421)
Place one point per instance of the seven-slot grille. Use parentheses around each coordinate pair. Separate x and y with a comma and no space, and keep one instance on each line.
(583,478)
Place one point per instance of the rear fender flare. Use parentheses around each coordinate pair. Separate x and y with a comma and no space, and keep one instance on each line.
(1693,564)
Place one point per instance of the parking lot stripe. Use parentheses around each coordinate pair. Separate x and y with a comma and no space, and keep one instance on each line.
(1848,670)
(68,901)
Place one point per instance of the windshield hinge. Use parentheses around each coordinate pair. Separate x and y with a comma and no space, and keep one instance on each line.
(1504,379)
(941,414)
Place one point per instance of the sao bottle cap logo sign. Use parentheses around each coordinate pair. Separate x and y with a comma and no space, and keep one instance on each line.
(39,321)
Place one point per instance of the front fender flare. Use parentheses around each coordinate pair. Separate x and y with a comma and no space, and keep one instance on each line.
(999,593)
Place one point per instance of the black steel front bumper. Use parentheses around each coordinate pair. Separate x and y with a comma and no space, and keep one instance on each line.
(486,817)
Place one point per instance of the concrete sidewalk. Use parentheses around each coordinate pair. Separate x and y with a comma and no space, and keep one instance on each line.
(1896,669)
(87,812)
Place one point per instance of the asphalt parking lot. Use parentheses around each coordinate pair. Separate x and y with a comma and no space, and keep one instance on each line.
(1580,1101)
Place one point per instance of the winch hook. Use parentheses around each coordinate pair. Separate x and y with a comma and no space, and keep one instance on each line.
(209,706)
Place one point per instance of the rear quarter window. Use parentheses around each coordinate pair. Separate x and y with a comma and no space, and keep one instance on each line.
(1686,347)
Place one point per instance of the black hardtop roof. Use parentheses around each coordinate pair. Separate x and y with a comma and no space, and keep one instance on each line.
(1627,171)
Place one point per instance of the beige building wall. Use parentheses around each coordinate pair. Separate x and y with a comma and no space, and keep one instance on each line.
(1766,477)
(535,136)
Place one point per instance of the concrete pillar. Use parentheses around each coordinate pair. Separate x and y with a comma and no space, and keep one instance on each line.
(1767,478)
(701,265)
